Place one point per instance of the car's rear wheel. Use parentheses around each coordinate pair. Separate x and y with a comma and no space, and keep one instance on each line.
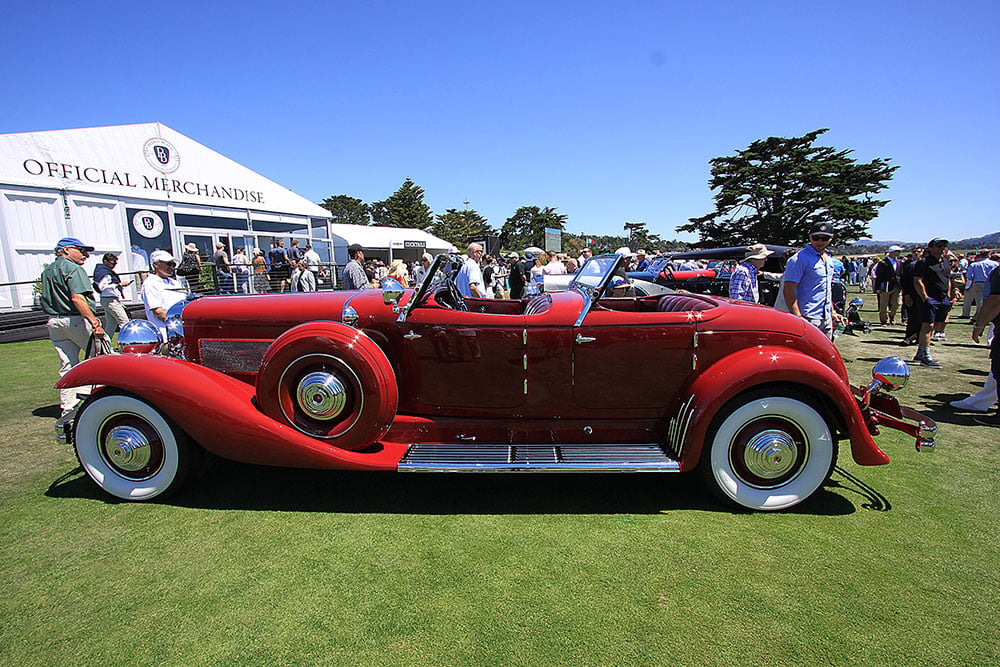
(329,381)
(768,452)
(131,449)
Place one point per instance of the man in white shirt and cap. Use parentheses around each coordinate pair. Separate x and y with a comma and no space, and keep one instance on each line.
(161,290)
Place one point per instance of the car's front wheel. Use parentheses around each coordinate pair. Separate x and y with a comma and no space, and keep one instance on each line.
(131,449)
(768,452)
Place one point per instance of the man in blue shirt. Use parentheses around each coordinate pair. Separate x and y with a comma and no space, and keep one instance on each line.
(809,281)
(988,311)
(641,263)
(976,278)
(743,281)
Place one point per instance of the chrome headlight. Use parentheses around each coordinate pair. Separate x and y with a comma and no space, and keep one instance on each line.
(139,337)
(175,329)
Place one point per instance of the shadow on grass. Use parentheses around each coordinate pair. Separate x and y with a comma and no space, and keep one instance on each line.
(873,500)
(973,371)
(47,411)
(227,485)
(936,407)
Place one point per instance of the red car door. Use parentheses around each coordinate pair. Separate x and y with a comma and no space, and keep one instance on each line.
(634,360)
(465,359)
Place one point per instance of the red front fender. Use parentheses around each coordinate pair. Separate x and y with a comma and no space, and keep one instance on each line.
(756,366)
(220,414)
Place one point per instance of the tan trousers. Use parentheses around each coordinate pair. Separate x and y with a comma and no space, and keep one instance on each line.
(115,314)
(70,335)
(888,302)
(973,294)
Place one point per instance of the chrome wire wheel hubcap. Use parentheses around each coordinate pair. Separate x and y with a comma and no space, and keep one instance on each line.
(770,454)
(127,448)
(321,395)
(131,447)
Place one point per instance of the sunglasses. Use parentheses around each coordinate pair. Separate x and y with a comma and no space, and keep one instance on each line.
(821,237)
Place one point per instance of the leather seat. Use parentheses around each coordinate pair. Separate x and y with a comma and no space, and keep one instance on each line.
(679,303)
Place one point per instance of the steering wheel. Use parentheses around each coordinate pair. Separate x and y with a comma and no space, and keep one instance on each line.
(668,272)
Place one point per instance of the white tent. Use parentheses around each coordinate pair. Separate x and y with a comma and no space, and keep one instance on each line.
(148,161)
(395,242)
(130,188)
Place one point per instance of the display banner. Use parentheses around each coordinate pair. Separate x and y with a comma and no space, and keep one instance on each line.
(148,230)
(553,239)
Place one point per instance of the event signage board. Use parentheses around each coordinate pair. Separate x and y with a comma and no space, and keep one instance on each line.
(148,231)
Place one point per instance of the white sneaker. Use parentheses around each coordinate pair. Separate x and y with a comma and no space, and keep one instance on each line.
(970,404)
(939,336)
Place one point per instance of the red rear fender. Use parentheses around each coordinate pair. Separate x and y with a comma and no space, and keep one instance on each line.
(220,414)
(763,365)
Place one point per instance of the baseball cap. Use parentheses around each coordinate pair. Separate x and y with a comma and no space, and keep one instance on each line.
(160,256)
(354,247)
(513,255)
(936,241)
(73,242)
(821,229)
(894,248)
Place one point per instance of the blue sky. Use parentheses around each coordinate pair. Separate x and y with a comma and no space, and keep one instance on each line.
(608,111)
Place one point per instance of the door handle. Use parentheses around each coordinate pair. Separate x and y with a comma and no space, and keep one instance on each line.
(412,336)
(580,338)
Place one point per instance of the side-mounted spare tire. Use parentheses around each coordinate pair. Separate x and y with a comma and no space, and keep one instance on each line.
(331,382)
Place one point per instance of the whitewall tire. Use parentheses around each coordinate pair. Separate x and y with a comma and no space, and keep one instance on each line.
(768,452)
(129,448)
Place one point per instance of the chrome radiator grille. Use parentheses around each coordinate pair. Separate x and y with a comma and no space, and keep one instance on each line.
(232,356)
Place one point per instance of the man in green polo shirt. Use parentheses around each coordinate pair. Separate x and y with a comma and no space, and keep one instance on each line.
(68,300)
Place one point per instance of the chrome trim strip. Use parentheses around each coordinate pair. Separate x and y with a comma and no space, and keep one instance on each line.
(587,303)
(684,431)
(678,427)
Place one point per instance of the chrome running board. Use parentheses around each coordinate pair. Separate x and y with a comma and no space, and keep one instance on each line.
(537,458)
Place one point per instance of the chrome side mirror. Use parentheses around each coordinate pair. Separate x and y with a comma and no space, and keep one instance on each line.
(392,292)
(890,373)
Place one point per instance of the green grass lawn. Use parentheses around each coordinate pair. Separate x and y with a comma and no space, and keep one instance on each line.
(886,565)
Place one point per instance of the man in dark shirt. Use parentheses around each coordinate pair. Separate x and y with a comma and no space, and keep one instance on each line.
(280,268)
(932,285)
(910,310)
(516,278)
(989,310)
(887,285)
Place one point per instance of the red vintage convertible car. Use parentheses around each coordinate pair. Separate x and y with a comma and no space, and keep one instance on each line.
(427,380)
